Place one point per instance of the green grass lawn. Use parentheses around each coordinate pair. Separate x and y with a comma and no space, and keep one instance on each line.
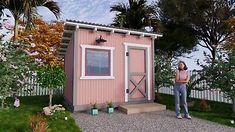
(17,119)
(220,112)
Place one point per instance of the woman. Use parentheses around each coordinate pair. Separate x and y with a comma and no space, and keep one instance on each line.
(181,78)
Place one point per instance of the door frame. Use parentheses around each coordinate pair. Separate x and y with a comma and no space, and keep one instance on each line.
(148,60)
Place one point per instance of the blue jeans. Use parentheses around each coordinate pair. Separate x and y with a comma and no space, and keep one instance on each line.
(180,89)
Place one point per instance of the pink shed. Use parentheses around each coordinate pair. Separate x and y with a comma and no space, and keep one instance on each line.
(104,64)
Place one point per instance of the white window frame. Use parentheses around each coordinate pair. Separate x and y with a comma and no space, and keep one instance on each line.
(83,75)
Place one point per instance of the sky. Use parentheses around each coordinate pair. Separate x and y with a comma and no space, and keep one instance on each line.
(98,11)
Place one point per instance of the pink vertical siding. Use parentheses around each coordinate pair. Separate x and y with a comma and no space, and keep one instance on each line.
(68,91)
(101,91)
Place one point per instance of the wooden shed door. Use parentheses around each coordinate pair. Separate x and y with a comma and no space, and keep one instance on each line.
(137,75)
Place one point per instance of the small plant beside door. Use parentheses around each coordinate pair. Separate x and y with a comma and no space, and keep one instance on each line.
(110,107)
(94,109)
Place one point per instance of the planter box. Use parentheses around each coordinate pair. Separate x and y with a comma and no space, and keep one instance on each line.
(110,109)
(94,111)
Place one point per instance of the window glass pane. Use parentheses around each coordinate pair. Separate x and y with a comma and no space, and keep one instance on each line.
(97,62)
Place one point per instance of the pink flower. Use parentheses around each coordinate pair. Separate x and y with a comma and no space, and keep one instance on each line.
(34,74)
(17,103)
(7,25)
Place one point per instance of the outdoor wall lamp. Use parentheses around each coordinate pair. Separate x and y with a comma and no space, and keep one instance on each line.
(100,40)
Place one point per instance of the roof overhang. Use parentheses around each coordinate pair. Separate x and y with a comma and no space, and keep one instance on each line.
(70,27)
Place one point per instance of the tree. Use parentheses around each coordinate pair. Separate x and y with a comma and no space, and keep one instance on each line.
(221,74)
(43,47)
(190,22)
(195,80)
(230,43)
(226,79)
(164,75)
(52,77)
(27,9)
(14,67)
(209,23)
(178,36)
(136,14)
(6,26)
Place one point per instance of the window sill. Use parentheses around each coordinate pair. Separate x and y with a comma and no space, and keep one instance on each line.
(97,77)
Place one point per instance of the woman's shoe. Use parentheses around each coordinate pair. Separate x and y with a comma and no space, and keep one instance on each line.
(188,116)
(179,117)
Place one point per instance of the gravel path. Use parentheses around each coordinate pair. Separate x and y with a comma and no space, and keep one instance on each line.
(163,121)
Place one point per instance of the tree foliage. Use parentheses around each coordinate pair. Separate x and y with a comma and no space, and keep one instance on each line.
(230,44)
(15,65)
(52,77)
(164,75)
(221,74)
(27,9)
(209,23)
(178,36)
(43,40)
(136,14)
(190,22)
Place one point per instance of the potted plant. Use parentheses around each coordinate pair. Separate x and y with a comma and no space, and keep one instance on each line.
(94,109)
(110,107)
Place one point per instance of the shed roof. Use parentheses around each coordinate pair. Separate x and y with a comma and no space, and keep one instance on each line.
(71,25)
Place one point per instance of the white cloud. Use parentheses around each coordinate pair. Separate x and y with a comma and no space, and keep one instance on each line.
(96,11)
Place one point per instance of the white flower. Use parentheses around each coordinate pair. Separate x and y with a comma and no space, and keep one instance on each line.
(38,60)
(27,52)
(4,58)
(34,53)
(21,82)
(52,49)
(13,66)
(33,45)
(232,121)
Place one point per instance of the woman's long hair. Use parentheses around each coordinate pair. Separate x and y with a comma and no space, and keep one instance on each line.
(185,66)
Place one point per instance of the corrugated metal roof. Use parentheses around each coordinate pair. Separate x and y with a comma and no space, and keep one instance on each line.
(71,25)
(109,26)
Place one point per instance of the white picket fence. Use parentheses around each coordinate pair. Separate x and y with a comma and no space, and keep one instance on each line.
(214,95)
(33,89)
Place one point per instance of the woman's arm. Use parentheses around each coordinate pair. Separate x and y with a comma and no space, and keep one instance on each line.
(177,80)
(177,76)
(188,77)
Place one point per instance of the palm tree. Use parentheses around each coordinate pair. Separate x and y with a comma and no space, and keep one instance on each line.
(27,9)
(136,14)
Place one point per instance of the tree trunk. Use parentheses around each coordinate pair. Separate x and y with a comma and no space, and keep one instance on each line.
(50,97)
(16,29)
(2,106)
(233,104)
(213,52)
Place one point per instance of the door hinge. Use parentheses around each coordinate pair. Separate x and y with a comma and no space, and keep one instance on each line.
(127,53)
(127,90)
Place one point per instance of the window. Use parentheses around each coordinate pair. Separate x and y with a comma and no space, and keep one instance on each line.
(97,62)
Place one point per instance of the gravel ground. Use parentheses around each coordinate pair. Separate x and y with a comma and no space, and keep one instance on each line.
(163,121)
